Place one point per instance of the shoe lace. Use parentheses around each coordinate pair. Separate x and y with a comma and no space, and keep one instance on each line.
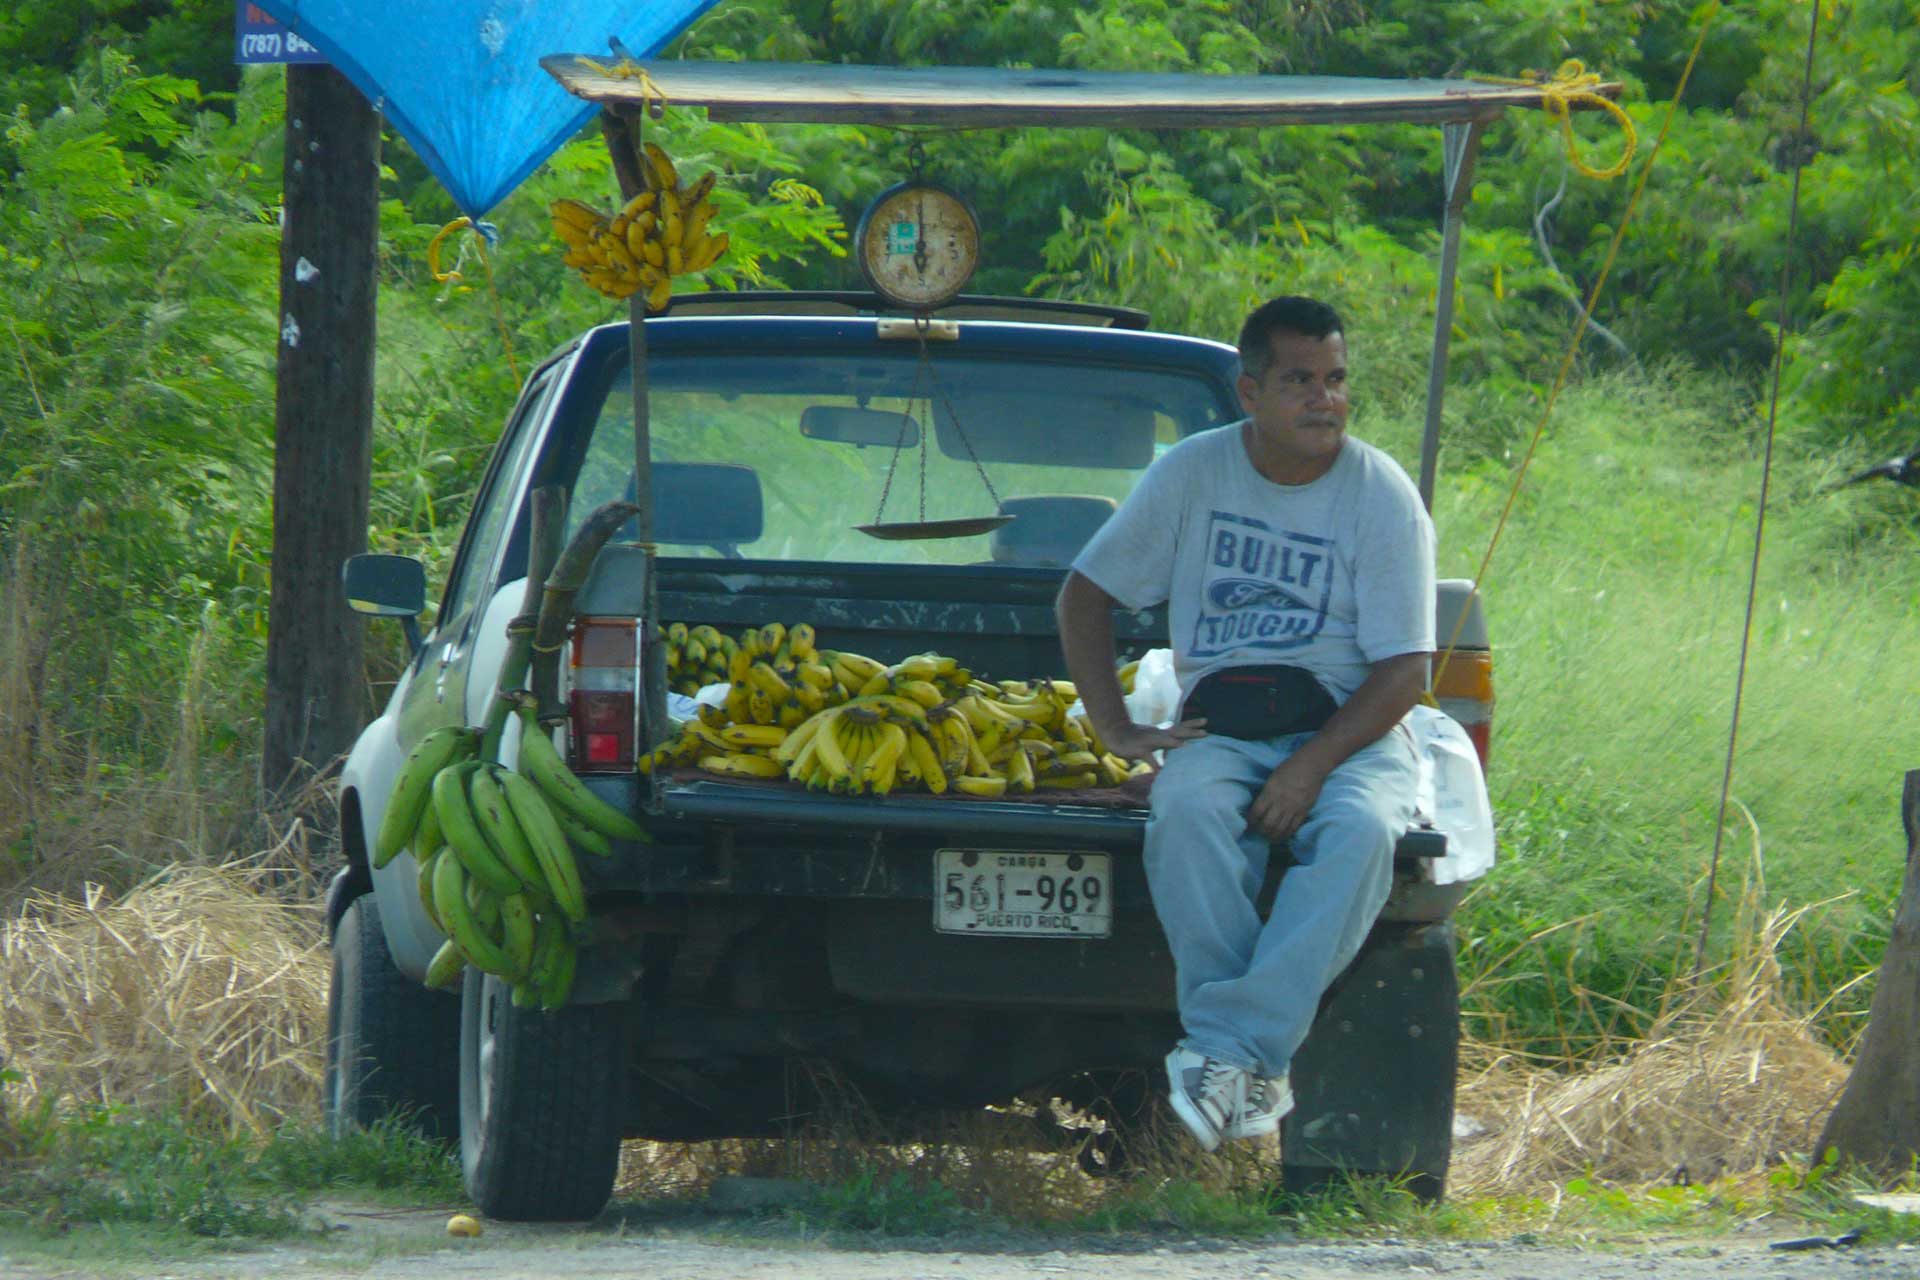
(1216,1079)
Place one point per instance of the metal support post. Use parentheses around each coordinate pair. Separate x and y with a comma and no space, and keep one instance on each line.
(1462,148)
(621,128)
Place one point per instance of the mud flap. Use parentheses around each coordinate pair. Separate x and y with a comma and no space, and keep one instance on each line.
(1374,1082)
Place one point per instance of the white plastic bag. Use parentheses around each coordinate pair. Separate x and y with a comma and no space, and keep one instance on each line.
(1452,791)
(1155,696)
(1156,692)
(681,708)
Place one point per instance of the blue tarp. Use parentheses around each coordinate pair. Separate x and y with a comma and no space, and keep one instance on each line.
(461,79)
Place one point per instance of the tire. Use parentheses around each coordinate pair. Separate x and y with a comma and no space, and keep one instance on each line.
(542,1100)
(392,1045)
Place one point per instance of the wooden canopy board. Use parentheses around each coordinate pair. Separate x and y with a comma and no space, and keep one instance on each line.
(991,97)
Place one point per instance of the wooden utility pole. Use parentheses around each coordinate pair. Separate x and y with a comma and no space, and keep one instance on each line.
(1877,1122)
(323,424)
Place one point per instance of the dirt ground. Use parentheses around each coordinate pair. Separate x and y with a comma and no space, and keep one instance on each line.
(373,1244)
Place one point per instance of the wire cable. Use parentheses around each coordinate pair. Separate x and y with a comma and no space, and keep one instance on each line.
(1798,159)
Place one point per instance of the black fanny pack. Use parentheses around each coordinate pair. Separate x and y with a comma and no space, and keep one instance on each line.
(1259,702)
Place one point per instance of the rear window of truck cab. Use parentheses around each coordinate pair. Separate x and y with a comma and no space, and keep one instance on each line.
(766,455)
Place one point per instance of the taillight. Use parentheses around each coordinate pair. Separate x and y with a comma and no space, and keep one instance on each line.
(1464,690)
(603,695)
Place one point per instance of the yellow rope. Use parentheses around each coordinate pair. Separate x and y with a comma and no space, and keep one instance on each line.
(1574,85)
(628,69)
(1579,330)
(452,275)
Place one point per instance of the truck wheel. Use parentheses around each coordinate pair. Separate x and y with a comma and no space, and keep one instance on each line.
(391,1043)
(541,1104)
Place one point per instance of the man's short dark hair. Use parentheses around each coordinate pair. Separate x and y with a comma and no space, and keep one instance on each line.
(1308,317)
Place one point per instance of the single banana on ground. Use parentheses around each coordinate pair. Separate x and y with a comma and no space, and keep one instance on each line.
(413,786)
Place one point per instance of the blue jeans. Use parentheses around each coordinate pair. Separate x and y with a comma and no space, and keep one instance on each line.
(1248,989)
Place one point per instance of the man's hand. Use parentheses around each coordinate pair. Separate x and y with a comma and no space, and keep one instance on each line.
(1286,799)
(1133,741)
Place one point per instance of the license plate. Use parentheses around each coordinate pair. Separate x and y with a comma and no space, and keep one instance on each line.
(1022,894)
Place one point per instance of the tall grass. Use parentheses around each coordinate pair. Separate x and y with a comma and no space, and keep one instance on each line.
(1616,599)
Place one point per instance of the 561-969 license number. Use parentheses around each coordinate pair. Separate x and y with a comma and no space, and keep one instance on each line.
(1021,893)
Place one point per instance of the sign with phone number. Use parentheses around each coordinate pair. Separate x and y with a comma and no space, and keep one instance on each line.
(257,38)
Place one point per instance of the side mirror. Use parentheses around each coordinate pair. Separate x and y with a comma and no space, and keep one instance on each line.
(382,586)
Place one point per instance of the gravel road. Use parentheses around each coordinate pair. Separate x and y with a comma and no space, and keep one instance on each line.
(370,1244)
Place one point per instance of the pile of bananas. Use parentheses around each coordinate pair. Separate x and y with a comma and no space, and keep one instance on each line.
(494,849)
(851,725)
(661,233)
(698,656)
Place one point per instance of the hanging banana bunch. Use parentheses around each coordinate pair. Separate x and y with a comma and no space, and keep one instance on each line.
(494,851)
(663,232)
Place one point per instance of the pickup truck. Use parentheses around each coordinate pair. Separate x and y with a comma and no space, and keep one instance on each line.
(765,931)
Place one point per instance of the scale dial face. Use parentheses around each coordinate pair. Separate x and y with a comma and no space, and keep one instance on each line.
(918,245)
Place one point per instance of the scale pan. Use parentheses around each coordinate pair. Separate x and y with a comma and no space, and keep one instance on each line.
(907,530)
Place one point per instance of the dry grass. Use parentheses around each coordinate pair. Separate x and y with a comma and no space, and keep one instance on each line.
(204,989)
(1728,1081)
(197,991)
(1019,1160)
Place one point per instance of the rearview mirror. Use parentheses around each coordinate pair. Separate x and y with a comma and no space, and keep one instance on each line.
(843,424)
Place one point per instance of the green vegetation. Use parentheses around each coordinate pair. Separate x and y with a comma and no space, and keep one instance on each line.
(149,1171)
(139,183)
(1792,1199)
(1617,597)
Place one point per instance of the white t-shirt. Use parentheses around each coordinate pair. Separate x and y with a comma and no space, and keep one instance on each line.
(1333,576)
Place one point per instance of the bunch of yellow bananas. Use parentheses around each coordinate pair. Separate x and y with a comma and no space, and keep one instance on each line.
(493,849)
(696,656)
(660,233)
(849,724)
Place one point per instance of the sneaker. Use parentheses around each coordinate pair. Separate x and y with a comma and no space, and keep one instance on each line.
(1206,1094)
(1267,1104)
